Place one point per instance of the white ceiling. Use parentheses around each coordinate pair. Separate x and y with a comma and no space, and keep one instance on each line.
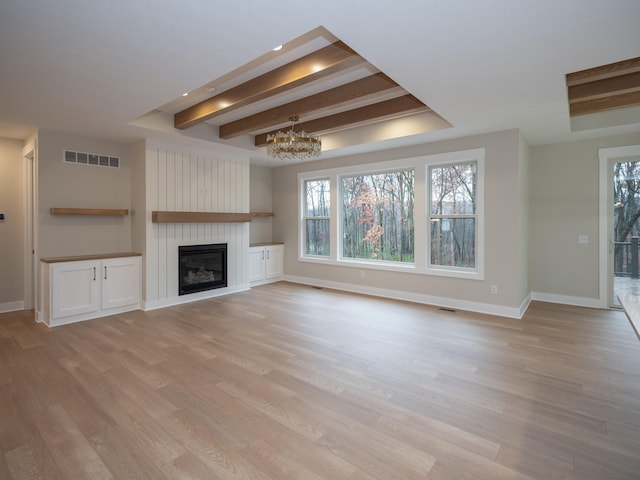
(93,68)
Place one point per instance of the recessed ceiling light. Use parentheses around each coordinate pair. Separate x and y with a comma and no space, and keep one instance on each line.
(279,47)
(185,94)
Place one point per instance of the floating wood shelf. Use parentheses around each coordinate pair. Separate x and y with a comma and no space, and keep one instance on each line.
(90,211)
(262,214)
(199,217)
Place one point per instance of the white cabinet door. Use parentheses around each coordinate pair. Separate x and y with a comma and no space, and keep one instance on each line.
(75,288)
(256,264)
(274,261)
(266,264)
(120,282)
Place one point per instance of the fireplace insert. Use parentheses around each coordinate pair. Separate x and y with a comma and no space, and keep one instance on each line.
(202,267)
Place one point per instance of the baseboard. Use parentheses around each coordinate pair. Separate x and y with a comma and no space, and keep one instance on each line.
(11,306)
(192,297)
(478,307)
(567,300)
(525,306)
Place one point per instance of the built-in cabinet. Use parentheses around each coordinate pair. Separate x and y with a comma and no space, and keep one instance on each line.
(86,287)
(266,263)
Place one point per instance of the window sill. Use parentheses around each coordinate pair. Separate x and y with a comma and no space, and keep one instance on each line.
(392,267)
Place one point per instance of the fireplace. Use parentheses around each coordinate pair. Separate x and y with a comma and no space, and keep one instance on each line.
(202,267)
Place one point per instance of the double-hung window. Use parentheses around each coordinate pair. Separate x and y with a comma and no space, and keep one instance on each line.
(453,215)
(316,217)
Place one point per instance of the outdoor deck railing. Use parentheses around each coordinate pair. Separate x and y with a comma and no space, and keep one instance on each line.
(625,258)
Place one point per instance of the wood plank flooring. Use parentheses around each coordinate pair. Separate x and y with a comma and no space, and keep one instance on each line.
(289,382)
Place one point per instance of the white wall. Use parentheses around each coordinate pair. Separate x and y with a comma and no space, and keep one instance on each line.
(182,179)
(12,227)
(504,252)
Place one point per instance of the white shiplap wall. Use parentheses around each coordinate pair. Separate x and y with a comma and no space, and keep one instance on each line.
(178,179)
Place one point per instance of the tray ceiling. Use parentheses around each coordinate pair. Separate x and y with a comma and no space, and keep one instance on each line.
(316,77)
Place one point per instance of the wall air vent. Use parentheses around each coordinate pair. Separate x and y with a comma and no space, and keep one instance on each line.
(91,159)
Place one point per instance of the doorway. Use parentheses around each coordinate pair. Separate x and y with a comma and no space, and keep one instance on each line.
(619,224)
(30,170)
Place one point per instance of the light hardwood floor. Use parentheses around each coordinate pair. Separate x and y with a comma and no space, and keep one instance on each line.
(290,382)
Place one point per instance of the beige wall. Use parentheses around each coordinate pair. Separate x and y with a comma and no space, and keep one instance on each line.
(261,187)
(82,186)
(524,218)
(531,243)
(564,204)
(505,249)
(139,205)
(12,227)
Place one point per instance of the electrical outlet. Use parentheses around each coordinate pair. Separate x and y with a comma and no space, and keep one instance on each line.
(361,273)
(582,238)
(494,289)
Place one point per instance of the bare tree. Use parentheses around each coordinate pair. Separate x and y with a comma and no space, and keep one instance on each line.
(626,199)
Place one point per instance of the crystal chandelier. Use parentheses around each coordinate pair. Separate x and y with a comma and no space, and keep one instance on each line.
(293,145)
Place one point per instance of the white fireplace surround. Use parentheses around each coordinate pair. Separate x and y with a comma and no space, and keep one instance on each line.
(235,283)
(198,181)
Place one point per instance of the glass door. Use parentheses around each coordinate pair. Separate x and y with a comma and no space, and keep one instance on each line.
(626,227)
(619,223)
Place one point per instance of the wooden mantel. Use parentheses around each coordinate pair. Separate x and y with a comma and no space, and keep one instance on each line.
(199,217)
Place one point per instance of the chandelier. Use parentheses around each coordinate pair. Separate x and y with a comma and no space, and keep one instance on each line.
(293,145)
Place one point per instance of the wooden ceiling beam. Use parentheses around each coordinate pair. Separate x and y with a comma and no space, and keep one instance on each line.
(317,65)
(607,87)
(605,103)
(352,91)
(626,83)
(404,105)
(603,71)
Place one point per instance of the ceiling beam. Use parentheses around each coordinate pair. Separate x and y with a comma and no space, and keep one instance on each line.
(607,87)
(352,91)
(605,103)
(404,105)
(627,83)
(317,65)
(603,71)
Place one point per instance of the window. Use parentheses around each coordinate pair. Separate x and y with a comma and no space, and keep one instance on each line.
(452,215)
(422,215)
(377,216)
(316,217)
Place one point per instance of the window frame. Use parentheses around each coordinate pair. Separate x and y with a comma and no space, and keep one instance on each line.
(448,159)
(303,217)
(340,236)
(422,195)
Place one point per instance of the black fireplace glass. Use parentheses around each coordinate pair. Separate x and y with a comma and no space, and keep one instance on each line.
(202,267)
